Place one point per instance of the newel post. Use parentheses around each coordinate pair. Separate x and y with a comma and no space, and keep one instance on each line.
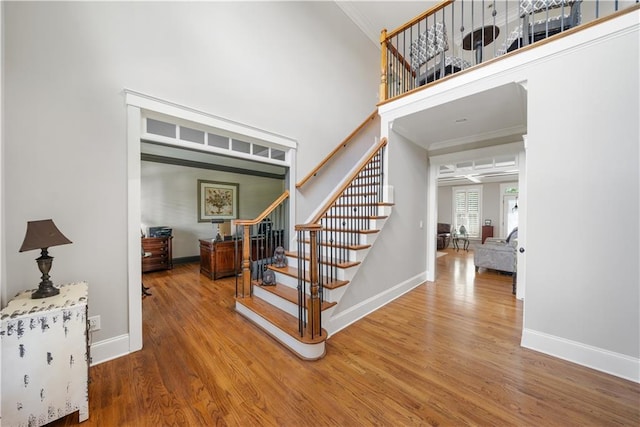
(383,65)
(245,285)
(314,320)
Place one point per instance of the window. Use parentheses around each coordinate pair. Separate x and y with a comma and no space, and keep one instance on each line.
(467,202)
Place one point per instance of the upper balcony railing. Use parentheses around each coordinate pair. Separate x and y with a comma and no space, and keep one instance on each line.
(457,35)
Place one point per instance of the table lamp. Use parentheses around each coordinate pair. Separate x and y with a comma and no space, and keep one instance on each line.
(217,222)
(42,235)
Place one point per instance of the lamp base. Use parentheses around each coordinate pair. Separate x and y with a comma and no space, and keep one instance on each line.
(45,290)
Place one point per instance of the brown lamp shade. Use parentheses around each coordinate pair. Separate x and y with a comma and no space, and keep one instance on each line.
(42,234)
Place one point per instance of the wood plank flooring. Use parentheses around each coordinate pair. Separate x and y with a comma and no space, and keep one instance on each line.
(447,353)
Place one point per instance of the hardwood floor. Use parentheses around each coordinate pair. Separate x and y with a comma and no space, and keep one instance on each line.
(447,353)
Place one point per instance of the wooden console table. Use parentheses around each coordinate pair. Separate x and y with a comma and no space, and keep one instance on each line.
(216,258)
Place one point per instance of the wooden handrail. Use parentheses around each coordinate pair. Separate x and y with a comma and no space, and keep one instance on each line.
(419,18)
(348,181)
(266,212)
(340,146)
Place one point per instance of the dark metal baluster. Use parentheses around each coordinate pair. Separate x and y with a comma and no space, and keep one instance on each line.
(300,249)
(320,290)
(461,19)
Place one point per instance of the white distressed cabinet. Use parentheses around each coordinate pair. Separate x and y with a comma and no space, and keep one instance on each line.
(45,357)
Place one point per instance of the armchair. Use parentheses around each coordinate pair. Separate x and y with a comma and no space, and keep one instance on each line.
(532,30)
(431,44)
(498,254)
(443,236)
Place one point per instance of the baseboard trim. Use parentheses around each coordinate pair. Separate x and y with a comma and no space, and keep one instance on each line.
(186,260)
(109,349)
(616,364)
(345,318)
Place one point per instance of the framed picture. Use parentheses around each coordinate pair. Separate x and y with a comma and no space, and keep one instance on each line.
(487,222)
(217,200)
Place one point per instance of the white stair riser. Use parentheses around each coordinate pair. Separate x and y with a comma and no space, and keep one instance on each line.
(352,255)
(334,295)
(331,295)
(376,211)
(276,301)
(348,238)
(364,224)
(339,273)
(288,306)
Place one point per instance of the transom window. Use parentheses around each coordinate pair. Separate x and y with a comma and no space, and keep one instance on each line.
(210,139)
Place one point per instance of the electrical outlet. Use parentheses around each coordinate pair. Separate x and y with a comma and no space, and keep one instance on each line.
(94,323)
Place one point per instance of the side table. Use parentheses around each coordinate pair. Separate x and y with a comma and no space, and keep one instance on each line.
(45,357)
(465,242)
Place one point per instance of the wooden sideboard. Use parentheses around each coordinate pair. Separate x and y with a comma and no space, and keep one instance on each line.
(158,254)
(216,258)
(487,231)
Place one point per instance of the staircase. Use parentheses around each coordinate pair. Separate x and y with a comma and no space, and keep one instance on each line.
(330,249)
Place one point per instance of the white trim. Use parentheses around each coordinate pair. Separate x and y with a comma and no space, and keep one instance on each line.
(503,232)
(478,153)
(109,349)
(432,220)
(169,108)
(617,364)
(136,102)
(523,208)
(134,215)
(345,318)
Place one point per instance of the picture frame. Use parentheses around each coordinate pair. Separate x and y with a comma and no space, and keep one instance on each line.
(217,200)
(487,222)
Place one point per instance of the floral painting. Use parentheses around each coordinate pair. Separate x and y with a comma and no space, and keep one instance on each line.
(217,200)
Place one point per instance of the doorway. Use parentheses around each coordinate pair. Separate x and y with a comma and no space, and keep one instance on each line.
(509,216)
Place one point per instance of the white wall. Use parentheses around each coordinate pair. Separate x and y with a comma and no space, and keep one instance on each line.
(313,195)
(300,69)
(398,257)
(583,159)
(582,293)
(169,197)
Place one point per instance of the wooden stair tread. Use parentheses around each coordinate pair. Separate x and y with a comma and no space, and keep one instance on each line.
(346,230)
(373,193)
(344,264)
(357,217)
(293,272)
(372,204)
(289,294)
(341,246)
(284,321)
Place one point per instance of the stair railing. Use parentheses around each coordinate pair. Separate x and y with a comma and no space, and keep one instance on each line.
(258,238)
(453,36)
(348,213)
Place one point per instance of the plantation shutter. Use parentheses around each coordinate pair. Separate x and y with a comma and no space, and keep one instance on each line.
(467,210)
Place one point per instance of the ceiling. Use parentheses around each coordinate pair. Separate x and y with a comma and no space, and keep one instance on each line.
(373,16)
(498,114)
